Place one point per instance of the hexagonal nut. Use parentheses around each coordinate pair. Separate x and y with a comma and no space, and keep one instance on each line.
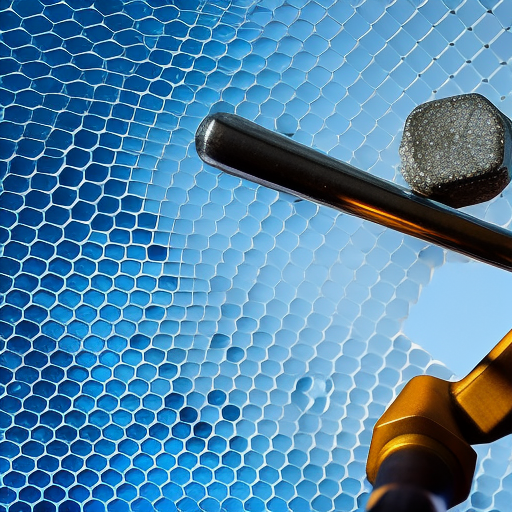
(457,150)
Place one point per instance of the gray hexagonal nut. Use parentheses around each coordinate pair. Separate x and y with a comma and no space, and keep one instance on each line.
(457,150)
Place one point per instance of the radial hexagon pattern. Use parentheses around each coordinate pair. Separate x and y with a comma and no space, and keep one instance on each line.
(174,338)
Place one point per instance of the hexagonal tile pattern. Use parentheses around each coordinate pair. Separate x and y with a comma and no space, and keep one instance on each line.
(176,339)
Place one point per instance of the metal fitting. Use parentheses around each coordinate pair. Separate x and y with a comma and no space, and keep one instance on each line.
(423,441)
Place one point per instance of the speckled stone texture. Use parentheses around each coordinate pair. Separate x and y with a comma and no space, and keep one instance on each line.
(457,150)
(174,338)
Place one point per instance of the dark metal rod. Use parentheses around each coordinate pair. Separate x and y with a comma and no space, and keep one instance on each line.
(412,479)
(243,148)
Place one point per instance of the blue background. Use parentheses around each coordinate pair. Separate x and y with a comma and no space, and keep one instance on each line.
(174,338)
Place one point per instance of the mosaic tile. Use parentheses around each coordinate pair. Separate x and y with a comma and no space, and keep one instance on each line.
(173,338)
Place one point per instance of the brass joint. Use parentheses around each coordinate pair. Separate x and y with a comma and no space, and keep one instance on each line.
(484,397)
(441,420)
(428,444)
(422,416)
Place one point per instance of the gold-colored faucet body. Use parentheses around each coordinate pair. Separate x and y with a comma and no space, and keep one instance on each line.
(442,420)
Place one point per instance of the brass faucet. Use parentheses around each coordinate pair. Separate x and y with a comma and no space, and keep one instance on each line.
(420,455)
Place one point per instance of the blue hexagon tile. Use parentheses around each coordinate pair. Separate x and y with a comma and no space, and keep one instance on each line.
(176,339)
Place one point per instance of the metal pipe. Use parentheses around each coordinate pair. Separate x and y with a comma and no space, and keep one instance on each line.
(414,479)
(243,148)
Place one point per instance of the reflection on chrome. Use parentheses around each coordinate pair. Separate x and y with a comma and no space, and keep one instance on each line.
(243,148)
